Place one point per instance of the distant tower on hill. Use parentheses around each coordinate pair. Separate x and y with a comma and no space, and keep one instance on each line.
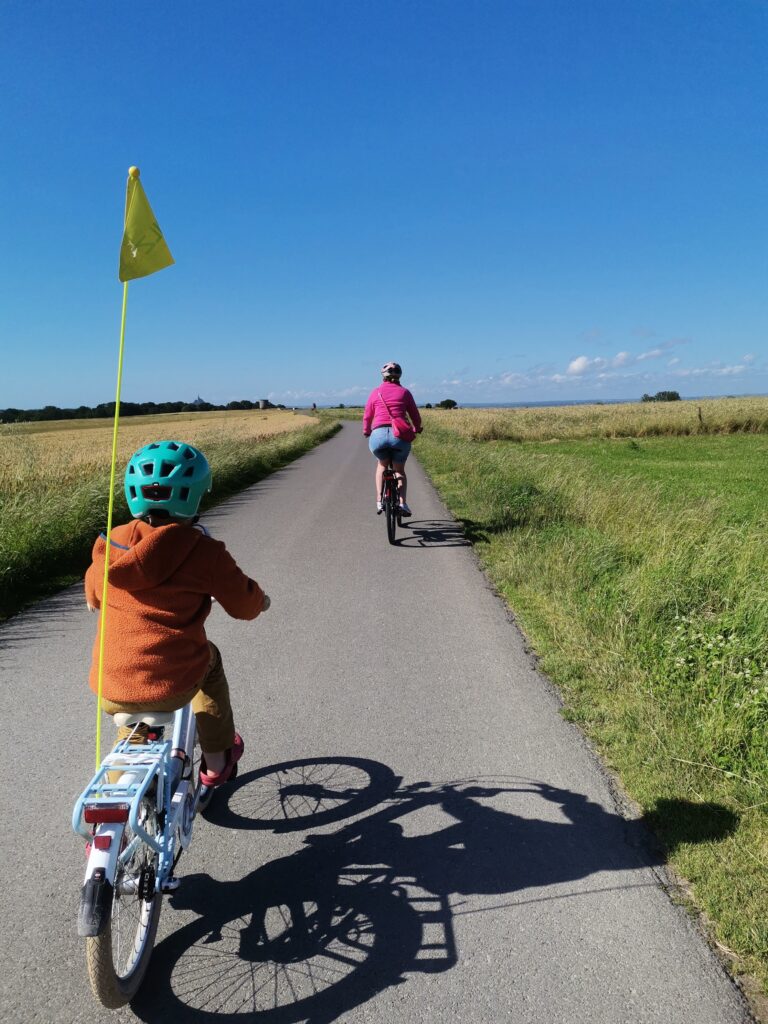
(199,401)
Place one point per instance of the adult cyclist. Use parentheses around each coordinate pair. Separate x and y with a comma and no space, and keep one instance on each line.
(386,404)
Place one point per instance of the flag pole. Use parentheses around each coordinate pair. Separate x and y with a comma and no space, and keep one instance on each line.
(110,509)
(143,251)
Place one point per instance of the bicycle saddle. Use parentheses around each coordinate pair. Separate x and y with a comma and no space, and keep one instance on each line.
(151,718)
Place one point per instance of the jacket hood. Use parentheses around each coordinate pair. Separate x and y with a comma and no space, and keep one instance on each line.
(143,556)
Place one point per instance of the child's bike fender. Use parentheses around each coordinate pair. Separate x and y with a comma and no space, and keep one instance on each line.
(98,888)
(95,907)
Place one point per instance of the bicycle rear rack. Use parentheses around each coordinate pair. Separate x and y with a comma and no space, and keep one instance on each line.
(139,765)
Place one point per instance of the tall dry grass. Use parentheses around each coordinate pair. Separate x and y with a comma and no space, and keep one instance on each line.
(636,419)
(43,457)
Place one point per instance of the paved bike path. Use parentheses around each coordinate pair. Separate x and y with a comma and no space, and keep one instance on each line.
(466,859)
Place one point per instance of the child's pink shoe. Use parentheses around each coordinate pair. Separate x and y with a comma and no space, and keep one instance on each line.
(229,770)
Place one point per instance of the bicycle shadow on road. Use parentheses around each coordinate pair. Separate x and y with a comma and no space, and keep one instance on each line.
(311,936)
(432,533)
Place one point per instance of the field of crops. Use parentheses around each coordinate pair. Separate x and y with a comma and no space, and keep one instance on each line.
(54,481)
(635,419)
(58,453)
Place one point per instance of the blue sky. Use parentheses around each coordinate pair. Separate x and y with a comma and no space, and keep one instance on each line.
(517,200)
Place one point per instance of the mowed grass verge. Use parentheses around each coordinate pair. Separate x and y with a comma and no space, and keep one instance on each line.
(637,567)
(54,482)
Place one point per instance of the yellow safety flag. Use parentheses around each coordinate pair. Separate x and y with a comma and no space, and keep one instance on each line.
(143,250)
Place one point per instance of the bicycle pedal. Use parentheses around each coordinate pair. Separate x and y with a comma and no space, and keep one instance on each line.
(170,885)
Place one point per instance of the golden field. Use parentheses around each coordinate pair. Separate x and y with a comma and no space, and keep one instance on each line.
(54,481)
(52,454)
(635,419)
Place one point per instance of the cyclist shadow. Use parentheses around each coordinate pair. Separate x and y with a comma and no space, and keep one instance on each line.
(312,935)
(432,533)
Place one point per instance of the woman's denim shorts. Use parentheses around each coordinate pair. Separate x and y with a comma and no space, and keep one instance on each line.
(385,445)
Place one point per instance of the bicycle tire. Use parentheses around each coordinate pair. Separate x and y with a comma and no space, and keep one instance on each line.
(112,982)
(391,513)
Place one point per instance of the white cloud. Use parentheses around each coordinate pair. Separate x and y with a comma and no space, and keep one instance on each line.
(578,365)
(624,373)
(653,353)
(581,364)
(290,397)
(712,371)
(513,378)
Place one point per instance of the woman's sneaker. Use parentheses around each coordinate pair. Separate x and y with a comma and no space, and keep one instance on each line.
(403,509)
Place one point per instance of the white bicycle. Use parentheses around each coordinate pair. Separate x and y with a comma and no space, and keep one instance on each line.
(136,814)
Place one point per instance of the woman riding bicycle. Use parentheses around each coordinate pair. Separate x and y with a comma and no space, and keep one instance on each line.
(386,404)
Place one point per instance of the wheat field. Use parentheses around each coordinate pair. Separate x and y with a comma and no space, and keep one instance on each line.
(54,481)
(46,456)
(632,419)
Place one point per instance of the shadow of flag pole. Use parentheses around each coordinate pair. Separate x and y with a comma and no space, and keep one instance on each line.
(143,252)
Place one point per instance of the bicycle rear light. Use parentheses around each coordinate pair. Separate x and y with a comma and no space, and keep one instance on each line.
(102,814)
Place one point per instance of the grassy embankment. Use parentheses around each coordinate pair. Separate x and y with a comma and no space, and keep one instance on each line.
(630,541)
(54,482)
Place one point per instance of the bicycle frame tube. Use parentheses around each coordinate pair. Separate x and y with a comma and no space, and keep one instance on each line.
(183,743)
(389,479)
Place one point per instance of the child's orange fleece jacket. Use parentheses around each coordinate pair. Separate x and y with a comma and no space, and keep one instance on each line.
(161,580)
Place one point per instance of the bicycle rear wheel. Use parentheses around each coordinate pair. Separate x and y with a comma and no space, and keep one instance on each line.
(117,958)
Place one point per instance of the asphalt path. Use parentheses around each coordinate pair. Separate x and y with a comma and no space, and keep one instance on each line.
(438,845)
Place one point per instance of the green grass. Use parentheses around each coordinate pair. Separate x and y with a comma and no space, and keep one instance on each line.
(638,570)
(46,534)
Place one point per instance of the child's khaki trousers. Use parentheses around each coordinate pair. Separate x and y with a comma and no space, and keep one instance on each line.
(210,703)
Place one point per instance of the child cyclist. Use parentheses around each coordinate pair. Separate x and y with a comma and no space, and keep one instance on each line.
(163,572)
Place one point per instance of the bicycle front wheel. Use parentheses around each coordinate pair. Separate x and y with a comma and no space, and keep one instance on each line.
(117,958)
(391,513)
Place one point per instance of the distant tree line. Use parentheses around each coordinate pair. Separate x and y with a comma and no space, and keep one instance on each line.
(106,410)
(662,396)
(447,403)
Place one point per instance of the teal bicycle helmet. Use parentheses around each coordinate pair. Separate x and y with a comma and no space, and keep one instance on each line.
(169,477)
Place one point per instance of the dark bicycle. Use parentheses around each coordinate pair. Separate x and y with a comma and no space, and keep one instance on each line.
(390,500)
